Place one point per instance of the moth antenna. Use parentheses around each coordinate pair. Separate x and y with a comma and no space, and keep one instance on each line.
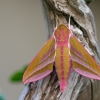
(56,23)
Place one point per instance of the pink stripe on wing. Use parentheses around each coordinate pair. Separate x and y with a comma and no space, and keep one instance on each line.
(38,77)
(87,74)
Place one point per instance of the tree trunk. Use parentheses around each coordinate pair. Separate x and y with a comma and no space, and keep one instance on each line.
(57,12)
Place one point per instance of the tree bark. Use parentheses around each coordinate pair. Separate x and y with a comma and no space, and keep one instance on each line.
(57,12)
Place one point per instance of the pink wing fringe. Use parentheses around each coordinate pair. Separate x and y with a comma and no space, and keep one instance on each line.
(38,77)
(86,74)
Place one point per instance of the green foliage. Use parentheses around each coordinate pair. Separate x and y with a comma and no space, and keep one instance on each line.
(88,1)
(2,96)
(17,75)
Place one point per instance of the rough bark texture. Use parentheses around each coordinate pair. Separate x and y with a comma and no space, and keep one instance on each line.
(57,12)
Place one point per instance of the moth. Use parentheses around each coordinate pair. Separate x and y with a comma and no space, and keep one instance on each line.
(65,52)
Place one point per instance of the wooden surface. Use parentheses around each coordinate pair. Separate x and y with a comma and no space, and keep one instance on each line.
(57,12)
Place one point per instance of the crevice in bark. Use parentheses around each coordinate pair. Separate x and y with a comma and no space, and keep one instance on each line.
(91,90)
